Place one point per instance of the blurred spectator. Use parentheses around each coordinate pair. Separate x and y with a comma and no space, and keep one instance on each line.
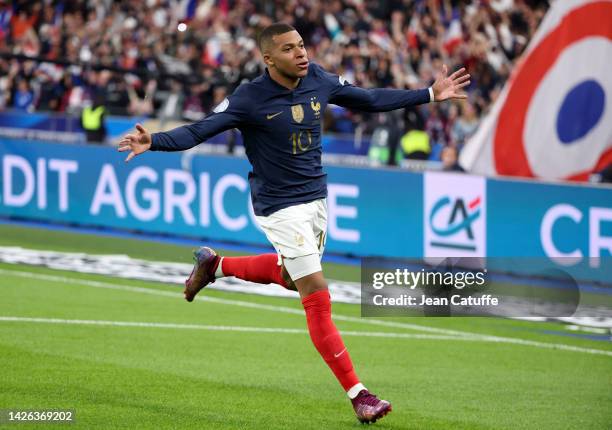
(6,82)
(415,145)
(49,93)
(435,127)
(117,97)
(385,140)
(465,126)
(172,107)
(21,23)
(193,109)
(141,104)
(449,160)
(24,96)
(92,120)
(6,13)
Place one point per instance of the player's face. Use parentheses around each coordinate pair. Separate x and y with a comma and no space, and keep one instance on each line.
(288,55)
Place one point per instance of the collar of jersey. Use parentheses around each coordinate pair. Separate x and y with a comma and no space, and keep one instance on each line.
(279,86)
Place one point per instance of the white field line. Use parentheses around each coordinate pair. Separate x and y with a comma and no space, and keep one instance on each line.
(453,334)
(280,330)
(220,328)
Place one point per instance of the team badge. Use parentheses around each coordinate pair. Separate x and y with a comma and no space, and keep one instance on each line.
(316,107)
(297,112)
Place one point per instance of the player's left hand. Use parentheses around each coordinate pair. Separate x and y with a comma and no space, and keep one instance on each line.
(447,87)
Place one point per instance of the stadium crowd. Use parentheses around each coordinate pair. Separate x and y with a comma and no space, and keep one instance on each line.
(176,59)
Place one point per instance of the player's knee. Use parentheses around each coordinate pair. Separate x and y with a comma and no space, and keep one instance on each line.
(311,284)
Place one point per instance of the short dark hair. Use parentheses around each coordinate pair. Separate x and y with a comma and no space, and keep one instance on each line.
(266,35)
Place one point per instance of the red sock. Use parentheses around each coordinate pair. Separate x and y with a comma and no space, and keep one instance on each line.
(326,338)
(263,269)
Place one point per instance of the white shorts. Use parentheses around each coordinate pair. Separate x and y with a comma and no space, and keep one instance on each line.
(298,233)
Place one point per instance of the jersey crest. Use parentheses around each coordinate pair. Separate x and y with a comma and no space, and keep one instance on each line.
(297,112)
(315,106)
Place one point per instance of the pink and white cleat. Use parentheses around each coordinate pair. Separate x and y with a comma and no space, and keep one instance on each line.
(203,273)
(370,408)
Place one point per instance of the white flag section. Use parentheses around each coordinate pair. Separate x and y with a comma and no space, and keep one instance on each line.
(553,119)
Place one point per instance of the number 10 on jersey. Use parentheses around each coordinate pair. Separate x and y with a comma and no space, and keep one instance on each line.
(296,139)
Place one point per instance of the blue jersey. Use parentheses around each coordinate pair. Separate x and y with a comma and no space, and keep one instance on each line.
(281,130)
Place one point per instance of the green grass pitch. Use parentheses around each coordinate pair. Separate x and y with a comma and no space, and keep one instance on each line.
(135,355)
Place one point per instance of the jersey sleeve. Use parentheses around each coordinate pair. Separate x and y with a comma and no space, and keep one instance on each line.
(344,94)
(228,114)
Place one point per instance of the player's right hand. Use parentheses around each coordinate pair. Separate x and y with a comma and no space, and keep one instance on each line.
(136,143)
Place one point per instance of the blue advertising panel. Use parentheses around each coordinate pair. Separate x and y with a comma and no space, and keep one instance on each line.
(569,224)
(370,211)
(523,227)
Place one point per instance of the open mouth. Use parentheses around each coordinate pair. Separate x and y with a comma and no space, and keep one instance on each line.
(303,65)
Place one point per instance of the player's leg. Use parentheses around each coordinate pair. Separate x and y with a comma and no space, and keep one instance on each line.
(262,269)
(323,332)
(368,407)
(328,341)
(307,273)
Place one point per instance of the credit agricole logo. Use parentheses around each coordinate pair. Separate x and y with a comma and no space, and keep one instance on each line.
(454,215)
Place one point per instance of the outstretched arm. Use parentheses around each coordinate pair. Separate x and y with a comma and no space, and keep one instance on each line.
(386,99)
(178,139)
(230,113)
(378,99)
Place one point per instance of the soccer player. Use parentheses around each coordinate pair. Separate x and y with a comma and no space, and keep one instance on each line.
(279,115)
